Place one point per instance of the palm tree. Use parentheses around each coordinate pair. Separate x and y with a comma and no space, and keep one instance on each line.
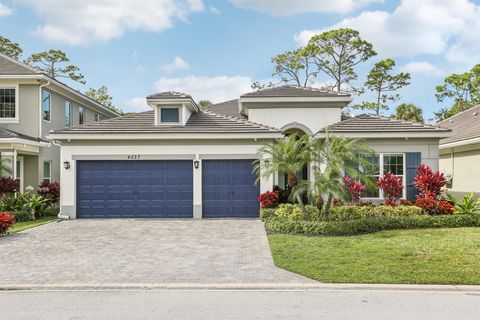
(336,157)
(409,112)
(289,155)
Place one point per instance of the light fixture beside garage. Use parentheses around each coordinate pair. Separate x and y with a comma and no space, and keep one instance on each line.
(66,165)
(196,163)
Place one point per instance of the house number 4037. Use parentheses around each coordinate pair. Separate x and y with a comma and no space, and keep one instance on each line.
(133,157)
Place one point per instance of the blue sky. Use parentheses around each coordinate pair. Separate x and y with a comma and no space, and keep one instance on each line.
(215,49)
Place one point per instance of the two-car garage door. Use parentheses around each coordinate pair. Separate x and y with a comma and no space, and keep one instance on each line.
(164,189)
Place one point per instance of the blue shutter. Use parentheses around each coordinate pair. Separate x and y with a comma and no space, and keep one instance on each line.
(413,160)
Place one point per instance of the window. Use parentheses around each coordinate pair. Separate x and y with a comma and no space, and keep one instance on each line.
(46,105)
(68,113)
(169,115)
(47,171)
(7,103)
(98,117)
(81,115)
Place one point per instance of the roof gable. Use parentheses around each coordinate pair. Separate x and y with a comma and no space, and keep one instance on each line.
(10,66)
(464,125)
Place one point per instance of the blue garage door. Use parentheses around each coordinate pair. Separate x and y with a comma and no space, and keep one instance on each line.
(135,189)
(229,189)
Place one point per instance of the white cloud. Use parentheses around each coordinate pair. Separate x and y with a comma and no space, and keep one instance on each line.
(422,67)
(290,8)
(137,104)
(450,27)
(177,64)
(79,22)
(4,10)
(215,89)
(214,10)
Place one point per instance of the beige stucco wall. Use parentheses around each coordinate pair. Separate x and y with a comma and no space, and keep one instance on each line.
(463,165)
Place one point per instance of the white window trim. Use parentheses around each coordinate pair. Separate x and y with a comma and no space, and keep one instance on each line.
(180,115)
(49,107)
(83,114)
(17,104)
(381,174)
(70,118)
(21,173)
(43,171)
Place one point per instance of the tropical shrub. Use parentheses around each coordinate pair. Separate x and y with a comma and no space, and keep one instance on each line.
(50,190)
(36,204)
(344,213)
(355,188)
(6,221)
(282,194)
(392,187)
(294,212)
(433,206)
(267,213)
(467,206)
(8,185)
(21,216)
(268,199)
(430,184)
(12,202)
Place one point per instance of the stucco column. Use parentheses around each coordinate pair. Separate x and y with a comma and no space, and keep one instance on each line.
(197,189)
(266,183)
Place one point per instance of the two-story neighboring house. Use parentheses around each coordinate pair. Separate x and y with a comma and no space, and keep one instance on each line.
(180,161)
(31,105)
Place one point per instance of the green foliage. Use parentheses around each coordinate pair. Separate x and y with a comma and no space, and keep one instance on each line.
(359,226)
(204,103)
(345,213)
(102,96)
(337,52)
(467,206)
(294,212)
(295,67)
(34,204)
(383,83)
(48,61)
(10,48)
(266,213)
(463,90)
(21,216)
(409,112)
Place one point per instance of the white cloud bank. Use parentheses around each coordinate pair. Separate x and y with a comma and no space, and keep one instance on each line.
(423,68)
(177,64)
(4,10)
(434,27)
(79,22)
(215,89)
(293,7)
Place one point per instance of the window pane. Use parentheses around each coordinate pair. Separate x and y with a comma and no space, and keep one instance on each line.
(7,103)
(17,174)
(374,192)
(46,105)
(68,114)
(46,169)
(81,113)
(169,115)
(393,163)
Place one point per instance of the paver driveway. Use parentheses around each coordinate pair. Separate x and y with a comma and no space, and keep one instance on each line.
(123,251)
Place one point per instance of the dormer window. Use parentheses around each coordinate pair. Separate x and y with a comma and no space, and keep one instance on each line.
(169,115)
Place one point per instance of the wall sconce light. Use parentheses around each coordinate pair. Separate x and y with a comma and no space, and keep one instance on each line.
(196,163)
(66,165)
(267,162)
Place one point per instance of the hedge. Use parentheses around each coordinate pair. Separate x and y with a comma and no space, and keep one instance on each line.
(359,226)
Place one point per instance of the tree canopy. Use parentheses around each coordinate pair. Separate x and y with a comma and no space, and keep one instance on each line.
(51,63)
(10,48)
(409,112)
(102,96)
(295,67)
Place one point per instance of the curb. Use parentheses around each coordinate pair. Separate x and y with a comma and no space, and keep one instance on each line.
(241,286)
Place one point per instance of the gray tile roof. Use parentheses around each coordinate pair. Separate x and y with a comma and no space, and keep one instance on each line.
(13,67)
(293,91)
(372,123)
(169,95)
(464,125)
(9,134)
(229,108)
(201,122)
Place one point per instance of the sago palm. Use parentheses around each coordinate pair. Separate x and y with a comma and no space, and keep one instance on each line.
(288,155)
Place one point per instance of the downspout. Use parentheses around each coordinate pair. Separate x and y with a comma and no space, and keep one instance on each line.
(40,108)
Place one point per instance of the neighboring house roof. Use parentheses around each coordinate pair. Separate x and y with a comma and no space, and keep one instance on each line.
(169,95)
(200,122)
(377,124)
(10,66)
(229,108)
(293,91)
(10,134)
(464,125)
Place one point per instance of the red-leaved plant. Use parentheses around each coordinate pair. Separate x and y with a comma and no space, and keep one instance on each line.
(268,199)
(8,185)
(6,221)
(392,187)
(50,190)
(430,184)
(355,188)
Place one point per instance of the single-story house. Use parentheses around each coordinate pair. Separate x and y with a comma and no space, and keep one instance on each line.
(460,152)
(179,160)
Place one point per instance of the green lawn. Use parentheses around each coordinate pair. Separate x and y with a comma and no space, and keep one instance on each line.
(434,256)
(20,226)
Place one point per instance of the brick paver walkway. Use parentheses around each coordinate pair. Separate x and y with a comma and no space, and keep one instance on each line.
(124,251)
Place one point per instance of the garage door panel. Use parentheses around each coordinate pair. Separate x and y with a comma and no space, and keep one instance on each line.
(229,189)
(161,188)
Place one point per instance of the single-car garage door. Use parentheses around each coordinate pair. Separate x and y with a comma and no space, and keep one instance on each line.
(135,189)
(229,189)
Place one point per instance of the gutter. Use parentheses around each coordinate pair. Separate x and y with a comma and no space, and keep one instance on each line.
(40,101)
